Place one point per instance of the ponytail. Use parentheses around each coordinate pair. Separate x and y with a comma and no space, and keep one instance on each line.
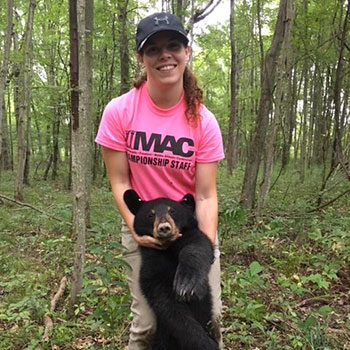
(193,97)
(140,80)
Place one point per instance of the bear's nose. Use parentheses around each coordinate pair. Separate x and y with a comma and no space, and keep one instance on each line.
(164,230)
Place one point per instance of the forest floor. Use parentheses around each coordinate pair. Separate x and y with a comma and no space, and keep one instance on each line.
(285,275)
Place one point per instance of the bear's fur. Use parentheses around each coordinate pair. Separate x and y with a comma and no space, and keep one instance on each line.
(174,280)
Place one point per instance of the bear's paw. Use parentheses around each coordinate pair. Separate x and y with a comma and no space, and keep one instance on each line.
(190,284)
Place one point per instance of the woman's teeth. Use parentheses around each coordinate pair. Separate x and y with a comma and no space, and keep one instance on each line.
(165,68)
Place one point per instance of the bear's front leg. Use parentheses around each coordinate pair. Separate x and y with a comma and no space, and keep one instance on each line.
(191,278)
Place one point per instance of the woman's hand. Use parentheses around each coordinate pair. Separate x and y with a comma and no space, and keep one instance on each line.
(148,241)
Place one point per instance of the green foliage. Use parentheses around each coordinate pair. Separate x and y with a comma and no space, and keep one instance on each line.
(36,251)
(285,275)
(106,285)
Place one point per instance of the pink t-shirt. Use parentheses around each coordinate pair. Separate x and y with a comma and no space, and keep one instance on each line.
(161,146)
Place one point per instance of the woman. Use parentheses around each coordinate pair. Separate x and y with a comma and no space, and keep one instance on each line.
(160,140)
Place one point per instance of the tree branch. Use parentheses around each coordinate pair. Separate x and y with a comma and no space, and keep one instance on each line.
(34,208)
(329,202)
(48,323)
(201,14)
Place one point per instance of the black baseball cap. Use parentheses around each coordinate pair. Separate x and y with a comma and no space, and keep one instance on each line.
(158,22)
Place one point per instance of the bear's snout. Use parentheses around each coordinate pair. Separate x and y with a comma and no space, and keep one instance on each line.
(164,230)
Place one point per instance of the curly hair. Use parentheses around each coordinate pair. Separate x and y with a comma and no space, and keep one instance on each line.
(193,95)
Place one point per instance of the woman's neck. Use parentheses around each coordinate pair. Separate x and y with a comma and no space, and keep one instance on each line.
(165,97)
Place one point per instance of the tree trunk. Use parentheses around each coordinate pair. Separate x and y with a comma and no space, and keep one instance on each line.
(81,144)
(289,123)
(180,9)
(10,132)
(111,71)
(38,134)
(55,115)
(267,85)
(231,150)
(261,41)
(318,116)
(24,101)
(337,151)
(311,133)
(124,54)
(304,131)
(28,137)
(55,145)
(47,169)
(3,78)
(74,77)
(327,121)
(5,162)
(283,69)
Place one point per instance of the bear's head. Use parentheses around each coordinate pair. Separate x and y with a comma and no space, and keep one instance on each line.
(161,218)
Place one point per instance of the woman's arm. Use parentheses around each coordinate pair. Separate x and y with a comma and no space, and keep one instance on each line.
(118,173)
(207,199)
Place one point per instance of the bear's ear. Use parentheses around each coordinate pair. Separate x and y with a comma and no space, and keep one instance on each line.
(133,201)
(188,201)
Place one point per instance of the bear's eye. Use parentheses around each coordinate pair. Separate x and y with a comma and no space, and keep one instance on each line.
(151,214)
(171,211)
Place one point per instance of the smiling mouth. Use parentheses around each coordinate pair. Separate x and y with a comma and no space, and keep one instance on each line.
(167,67)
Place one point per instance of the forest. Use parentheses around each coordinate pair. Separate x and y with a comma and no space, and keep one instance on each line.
(275,73)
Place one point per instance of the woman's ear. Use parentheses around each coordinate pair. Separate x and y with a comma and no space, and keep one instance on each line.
(139,57)
(188,53)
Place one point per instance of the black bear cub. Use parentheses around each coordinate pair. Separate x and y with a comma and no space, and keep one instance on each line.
(174,280)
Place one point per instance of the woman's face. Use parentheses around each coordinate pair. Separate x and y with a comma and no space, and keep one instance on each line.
(164,57)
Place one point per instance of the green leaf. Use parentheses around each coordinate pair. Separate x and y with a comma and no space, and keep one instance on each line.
(255,268)
(325,310)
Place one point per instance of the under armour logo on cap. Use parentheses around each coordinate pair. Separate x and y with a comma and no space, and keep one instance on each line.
(164,19)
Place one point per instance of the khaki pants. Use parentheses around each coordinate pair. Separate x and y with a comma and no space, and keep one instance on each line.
(144,322)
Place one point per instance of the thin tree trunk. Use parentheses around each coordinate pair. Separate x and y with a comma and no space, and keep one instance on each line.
(261,41)
(283,69)
(124,54)
(180,9)
(74,85)
(74,78)
(5,162)
(317,116)
(10,132)
(311,134)
(327,120)
(304,131)
(88,100)
(81,144)
(55,115)
(231,151)
(28,137)
(24,100)
(3,78)
(55,145)
(38,134)
(337,152)
(267,85)
(297,133)
(289,118)
(47,169)
(110,78)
